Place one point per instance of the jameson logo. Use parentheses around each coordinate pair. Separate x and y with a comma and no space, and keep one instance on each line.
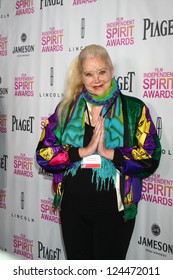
(46,253)
(157,29)
(23,50)
(155,246)
(159,246)
(47,3)
(24,125)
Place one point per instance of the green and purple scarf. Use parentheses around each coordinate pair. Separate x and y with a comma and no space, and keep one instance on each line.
(114,130)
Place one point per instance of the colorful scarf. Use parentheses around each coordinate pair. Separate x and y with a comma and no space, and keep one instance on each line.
(114,130)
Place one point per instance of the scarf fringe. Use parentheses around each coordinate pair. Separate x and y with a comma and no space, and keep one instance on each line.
(102,176)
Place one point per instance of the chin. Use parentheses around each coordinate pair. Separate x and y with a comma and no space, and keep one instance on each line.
(97,93)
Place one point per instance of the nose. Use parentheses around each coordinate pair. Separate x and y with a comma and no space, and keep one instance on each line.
(96,78)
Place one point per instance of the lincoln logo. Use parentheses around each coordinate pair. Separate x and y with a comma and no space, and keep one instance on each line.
(22,200)
(51,76)
(82,28)
(159,127)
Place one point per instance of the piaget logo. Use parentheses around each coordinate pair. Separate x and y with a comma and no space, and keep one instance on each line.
(22,124)
(126,82)
(47,3)
(47,253)
(157,28)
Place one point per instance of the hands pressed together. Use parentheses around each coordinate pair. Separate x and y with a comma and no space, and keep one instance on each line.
(97,143)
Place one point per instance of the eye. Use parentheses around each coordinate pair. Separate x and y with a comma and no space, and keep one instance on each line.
(102,72)
(88,75)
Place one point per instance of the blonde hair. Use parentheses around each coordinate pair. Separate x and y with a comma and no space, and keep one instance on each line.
(74,82)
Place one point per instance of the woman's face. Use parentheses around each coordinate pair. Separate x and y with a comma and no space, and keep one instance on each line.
(96,75)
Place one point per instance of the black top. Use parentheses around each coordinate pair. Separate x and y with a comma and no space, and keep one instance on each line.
(81,193)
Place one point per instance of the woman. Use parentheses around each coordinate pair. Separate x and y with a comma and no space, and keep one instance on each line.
(99,144)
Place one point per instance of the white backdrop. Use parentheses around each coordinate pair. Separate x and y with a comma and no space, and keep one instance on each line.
(38,40)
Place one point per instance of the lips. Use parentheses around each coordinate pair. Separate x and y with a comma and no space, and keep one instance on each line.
(98,87)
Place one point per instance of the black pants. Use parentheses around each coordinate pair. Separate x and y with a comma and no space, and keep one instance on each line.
(94,236)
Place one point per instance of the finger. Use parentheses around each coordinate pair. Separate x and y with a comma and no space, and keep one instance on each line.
(98,123)
(97,127)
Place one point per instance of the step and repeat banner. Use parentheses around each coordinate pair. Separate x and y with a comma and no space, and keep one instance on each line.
(38,40)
